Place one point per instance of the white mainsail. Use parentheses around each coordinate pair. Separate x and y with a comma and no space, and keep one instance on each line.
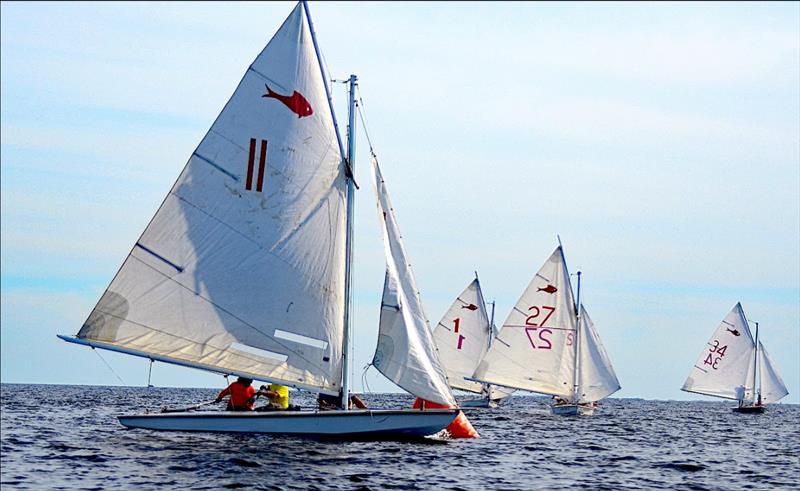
(535,348)
(406,353)
(727,362)
(596,377)
(772,387)
(463,336)
(241,270)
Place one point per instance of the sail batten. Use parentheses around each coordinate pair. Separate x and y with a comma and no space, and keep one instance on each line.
(249,242)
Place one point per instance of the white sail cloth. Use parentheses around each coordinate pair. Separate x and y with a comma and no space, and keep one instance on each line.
(496,393)
(463,336)
(242,267)
(772,387)
(406,353)
(535,349)
(727,362)
(596,377)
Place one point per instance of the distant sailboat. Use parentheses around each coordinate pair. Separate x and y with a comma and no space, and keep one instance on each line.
(735,366)
(245,268)
(463,336)
(547,345)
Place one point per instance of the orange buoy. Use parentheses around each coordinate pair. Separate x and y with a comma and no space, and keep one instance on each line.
(459,428)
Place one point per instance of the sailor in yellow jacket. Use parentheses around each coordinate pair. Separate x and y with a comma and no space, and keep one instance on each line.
(278,396)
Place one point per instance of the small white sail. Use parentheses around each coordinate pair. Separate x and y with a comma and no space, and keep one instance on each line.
(463,336)
(727,362)
(241,269)
(772,387)
(406,353)
(496,393)
(597,379)
(535,348)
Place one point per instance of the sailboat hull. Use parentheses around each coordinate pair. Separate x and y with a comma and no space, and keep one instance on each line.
(573,410)
(357,424)
(748,409)
(479,403)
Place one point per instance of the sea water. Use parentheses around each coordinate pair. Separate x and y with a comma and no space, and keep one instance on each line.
(68,437)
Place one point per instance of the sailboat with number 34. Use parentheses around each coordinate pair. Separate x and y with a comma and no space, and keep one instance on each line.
(735,366)
(245,268)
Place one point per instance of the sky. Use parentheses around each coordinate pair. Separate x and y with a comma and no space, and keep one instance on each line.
(661,141)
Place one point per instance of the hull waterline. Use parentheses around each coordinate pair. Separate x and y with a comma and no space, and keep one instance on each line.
(364,424)
(572,410)
(749,409)
(479,403)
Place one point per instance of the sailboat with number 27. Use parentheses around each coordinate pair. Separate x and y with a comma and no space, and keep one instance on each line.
(548,344)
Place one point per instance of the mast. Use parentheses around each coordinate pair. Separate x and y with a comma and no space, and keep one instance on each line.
(486,387)
(491,325)
(348,165)
(756,381)
(576,377)
(348,269)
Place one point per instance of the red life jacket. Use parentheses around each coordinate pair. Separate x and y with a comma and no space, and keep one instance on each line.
(240,396)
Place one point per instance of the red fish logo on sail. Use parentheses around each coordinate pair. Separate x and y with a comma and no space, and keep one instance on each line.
(471,306)
(295,102)
(548,289)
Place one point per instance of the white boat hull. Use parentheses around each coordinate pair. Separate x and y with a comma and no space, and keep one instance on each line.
(482,403)
(366,423)
(573,410)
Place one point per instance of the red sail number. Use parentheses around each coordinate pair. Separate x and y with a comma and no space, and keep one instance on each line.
(536,334)
(714,360)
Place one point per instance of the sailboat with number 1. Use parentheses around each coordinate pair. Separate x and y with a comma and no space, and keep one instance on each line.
(463,336)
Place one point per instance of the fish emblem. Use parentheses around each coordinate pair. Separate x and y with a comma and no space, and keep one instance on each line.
(295,102)
(548,289)
(471,306)
(735,332)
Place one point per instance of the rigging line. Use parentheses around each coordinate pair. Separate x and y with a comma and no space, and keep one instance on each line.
(361,115)
(365,388)
(109,366)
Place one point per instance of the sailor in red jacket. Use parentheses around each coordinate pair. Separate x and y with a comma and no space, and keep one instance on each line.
(241,395)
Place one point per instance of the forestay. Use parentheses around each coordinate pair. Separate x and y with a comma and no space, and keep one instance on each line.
(596,377)
(727,362)
(772,387)
(462,337)
(406,353)
(241,270)
(535,349)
